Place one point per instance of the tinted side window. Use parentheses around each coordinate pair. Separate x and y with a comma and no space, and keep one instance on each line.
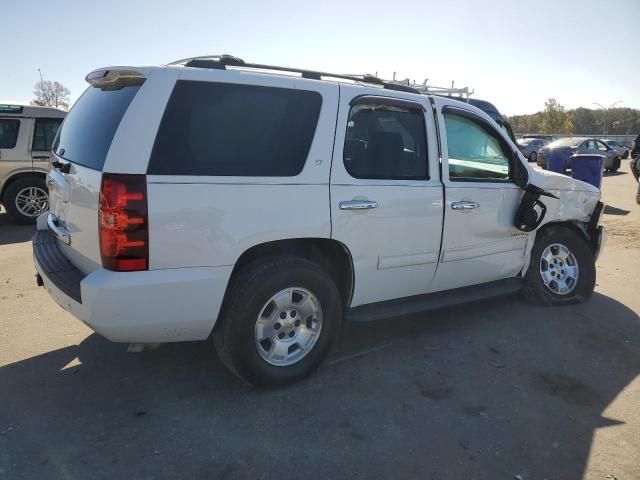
(386,142)
(9,128)
(476,152)
(88,130)
(44,133)
(235,130)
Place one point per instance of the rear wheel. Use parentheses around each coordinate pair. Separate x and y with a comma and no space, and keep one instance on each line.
(616,164)
(26,199)
(280,319)
(562,268)
(533,156)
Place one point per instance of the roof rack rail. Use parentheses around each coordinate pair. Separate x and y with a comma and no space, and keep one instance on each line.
(221,62)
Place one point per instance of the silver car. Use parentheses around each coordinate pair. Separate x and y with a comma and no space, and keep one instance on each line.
(530,146)
(622,150)
(573,145)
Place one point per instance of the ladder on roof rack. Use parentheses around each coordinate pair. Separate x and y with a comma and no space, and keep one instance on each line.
(424,88)
(221,62)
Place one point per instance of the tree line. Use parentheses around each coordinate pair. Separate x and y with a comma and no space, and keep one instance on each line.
(581,121)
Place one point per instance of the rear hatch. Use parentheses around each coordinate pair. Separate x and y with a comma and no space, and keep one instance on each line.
(78,156)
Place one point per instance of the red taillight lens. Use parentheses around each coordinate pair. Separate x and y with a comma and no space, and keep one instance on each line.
(122,223)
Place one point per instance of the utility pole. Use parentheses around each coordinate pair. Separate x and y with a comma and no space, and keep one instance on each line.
(604,114)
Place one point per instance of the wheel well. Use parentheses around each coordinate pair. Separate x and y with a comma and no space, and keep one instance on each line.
(16,177)
(572,225)
(331,255)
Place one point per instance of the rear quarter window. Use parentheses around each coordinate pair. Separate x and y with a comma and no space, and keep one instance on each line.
(222,129)
(9,128)
(88,130)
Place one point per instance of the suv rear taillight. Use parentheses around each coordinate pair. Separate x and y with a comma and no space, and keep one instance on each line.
(122,222)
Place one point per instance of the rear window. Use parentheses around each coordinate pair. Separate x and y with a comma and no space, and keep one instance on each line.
(87,132)
(223,129)
(9,128)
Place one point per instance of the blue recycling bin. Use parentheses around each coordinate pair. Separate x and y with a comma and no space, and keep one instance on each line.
(558,159)
(588,168)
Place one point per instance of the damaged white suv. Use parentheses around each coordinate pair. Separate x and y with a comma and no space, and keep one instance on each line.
(262,205)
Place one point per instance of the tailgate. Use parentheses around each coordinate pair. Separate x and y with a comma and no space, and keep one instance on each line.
(73,214)
(79,153)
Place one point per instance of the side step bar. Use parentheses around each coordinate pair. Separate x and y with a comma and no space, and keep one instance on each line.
(421,303)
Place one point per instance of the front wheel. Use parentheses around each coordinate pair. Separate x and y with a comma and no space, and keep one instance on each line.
(533,157)
(279,321)
(562,268)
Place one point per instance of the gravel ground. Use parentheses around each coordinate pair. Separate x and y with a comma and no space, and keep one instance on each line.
(498,389)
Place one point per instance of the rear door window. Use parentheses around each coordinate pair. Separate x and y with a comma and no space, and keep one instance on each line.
(386,142)
(88,130)
(44,133)
(9,128)
(223,129)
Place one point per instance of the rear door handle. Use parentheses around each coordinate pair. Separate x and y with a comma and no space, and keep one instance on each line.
(357,205)
(465,205)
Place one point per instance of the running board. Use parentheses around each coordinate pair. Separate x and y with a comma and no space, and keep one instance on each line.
(430,301)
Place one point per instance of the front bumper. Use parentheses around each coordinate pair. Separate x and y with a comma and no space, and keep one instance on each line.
(151,306)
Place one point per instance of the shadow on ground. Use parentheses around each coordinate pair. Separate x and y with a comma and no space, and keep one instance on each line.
(489,390)
(12,232)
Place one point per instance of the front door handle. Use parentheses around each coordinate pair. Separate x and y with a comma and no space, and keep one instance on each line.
(465,205)
(357,205)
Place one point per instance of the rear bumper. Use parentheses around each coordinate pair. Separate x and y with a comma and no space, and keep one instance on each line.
(152,306)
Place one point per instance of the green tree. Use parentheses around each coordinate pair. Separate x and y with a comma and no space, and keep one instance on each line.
(555,119)
(584,121)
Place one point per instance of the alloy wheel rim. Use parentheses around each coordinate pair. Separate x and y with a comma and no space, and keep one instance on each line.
(559,269)
(32,201)
(288,326)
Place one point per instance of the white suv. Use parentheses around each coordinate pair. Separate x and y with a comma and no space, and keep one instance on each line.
(261,205)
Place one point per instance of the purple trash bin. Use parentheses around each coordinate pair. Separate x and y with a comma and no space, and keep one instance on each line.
(588,168)
(558,159)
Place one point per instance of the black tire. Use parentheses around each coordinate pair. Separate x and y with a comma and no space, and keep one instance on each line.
(12,191)
(533,157)
(534,288)
(616,164)
(250,290)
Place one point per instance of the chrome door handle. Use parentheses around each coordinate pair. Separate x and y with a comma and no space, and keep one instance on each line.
(465,205)
(357,204)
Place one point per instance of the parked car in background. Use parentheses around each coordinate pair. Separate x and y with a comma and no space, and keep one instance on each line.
(529,147)
(636,147)
(26,135)
(548,138)
(297,207)
(634,164)
(617,146)
(574,145)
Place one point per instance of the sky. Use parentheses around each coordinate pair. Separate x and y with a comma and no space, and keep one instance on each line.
(513,53)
